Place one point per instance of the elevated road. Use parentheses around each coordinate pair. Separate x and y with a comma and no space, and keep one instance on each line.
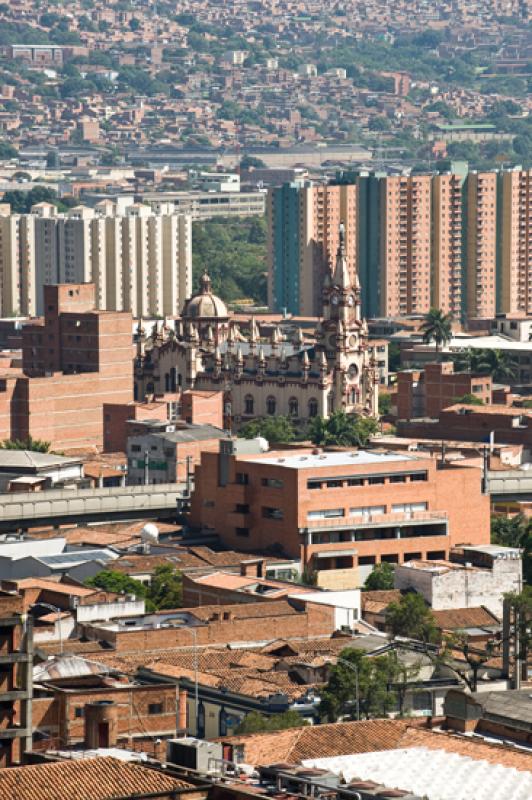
(23,510)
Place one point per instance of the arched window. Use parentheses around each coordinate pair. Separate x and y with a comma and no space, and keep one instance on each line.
(313,407)
(150,388)
(293,407)
(173,379)
(330,403)
(249,404)
(271,405)
(200,722)
(166,382)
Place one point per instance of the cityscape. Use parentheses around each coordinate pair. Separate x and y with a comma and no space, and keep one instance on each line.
(265,400)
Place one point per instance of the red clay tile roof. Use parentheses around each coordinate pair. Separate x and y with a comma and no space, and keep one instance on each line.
(456,618)
(83,779)
(345,738)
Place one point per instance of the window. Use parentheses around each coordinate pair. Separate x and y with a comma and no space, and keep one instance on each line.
(272,513)
(293,407)
(365,561)
(79,712)
(374,481)
(436,555)
(355,482)
(367,512)
(397,478)
(412,556)
(155,708)
(242,508)
(334,484)
(271,405)
(243,532)
(408,508)
(313,484)
(392,559)
(272,483)
(242,478)
(135,448)
(422,701)
(418,476)
(249,404)
(313,407)
(326,513)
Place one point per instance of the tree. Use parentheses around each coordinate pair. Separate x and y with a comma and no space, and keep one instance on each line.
(166,588)
(251,161)
(344,430)
(412,617)
(380,578)
(254,722)
(385,403)
(394,357)
(111,580)
(515,532)
(7,151)
(375,677)
(275,430)
(469,399)
(134,24)
(500,364)
(437,328)
(35,445)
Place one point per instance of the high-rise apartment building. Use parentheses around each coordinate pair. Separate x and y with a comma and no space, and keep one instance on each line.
(481,245)
(457,241)
(447,243)
(515,257)
(303,225)
(138,257)
(405,245)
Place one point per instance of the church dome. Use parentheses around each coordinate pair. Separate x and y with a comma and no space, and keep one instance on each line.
(205,304)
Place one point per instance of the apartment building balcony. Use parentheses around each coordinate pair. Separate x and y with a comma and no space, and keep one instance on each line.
(368,527)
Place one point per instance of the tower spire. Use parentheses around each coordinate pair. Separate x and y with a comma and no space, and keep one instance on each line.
(341,273)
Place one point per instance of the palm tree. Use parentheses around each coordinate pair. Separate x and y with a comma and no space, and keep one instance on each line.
(437,328)
(500,364)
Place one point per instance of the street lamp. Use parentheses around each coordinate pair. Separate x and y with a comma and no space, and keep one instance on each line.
(354,667)
(58,612)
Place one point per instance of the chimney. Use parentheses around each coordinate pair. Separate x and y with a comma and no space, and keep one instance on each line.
(182,718)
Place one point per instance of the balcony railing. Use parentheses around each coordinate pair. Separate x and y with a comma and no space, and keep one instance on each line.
(402,518)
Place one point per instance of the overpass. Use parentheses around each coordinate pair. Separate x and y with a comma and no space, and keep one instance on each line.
(506,484)
(23,510)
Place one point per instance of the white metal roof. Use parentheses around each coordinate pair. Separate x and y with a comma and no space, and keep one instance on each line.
(434,774)
(338,459)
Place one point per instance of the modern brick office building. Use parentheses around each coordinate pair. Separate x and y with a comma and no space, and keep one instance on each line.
(74,360)
(340,512)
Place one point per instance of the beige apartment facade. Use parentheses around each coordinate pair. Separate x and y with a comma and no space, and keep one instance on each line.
(516,242)
(481,244)
(139,257)
(447,243)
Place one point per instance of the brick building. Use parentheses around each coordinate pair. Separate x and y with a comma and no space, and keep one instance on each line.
(73,361)
(424,393)
(16,664)
(465,423)
(340,512)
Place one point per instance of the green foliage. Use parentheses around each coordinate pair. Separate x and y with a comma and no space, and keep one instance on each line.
(254,722)
(499,364)
(394,357)
(376,694)
(275,430)
(385,403)
(344,430)
(234,253)
(515,532)
(251,161)
(165,590)
(412,617)
(21,202)
(35,445)
(7,151)
(437,328)
(469,399)
(381,578)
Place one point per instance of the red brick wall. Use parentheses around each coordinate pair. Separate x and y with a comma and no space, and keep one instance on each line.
(202,408)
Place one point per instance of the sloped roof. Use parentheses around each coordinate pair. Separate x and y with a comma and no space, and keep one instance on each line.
(458,618)
(87,779)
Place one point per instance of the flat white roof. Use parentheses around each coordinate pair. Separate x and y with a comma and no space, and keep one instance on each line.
(339,459)
(487,342)
(433,774)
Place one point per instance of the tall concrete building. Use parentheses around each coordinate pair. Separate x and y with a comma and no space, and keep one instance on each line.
(405,245)
(481,245)
(138,257)
(515,241)
(457,241)
(303,225)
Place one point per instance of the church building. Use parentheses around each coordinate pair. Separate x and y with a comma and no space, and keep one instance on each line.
(278,375)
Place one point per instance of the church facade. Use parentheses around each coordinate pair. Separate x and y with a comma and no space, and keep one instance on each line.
(278,375)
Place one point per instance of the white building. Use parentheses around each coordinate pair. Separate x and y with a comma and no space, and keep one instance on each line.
(138,256)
